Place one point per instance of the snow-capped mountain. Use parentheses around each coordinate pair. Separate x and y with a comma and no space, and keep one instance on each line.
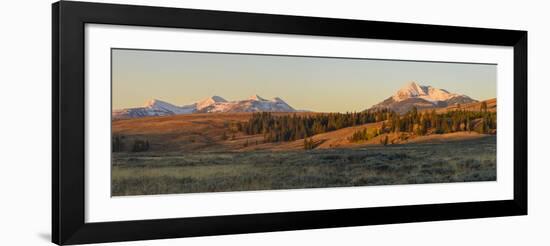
(209,101)
(167,107)
(252,104)
(214,104)
(152,107)
(421,97)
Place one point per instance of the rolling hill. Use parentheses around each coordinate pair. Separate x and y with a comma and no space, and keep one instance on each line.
(474,106)
(205,132)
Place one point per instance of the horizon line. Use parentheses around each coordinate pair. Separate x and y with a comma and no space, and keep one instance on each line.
(304,110)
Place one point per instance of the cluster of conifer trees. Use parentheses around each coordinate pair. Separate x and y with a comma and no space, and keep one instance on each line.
(365,134)
(138,145)
(118,144)
(279,128)
(423,123)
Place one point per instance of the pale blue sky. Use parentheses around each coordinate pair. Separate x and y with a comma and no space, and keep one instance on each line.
(312,83)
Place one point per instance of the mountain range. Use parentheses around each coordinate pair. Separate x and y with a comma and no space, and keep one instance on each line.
(214,104)
(421,97)
(409,96)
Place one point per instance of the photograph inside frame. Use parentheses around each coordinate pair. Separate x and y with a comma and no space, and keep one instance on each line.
(196,122)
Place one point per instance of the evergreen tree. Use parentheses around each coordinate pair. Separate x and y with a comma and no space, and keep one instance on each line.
(117,143)
(280,128)
(384,140)
(140,145)
(483,107)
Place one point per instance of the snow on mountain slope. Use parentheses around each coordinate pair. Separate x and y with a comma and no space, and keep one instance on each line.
(209,101)
(137,113)
(159,105)
(422,97)
(152,107)
(214,104)
(256,98)
(252,104)
(424,92)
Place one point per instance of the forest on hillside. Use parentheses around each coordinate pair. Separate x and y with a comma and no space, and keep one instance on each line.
(280,128)
(430,122)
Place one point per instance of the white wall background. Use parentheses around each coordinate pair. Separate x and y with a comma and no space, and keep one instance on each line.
(25,57)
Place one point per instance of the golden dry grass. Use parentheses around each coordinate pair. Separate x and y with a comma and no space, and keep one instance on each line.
(193,132)
(459,161)
(203,132)
(188,154)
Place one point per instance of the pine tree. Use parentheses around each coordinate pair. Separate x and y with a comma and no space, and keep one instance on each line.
(140,145)
(118,145)
(384,140)
(484,107)
(468,124)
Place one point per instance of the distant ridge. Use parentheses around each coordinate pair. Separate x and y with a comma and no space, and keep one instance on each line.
(475,106)
(214,104)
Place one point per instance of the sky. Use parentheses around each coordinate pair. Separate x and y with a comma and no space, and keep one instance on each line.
(310,83)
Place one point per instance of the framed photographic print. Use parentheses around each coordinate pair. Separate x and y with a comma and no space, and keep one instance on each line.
(175,122)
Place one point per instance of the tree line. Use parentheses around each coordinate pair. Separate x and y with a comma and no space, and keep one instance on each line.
(431,122)
(481,121)
(138,145)
(279,128)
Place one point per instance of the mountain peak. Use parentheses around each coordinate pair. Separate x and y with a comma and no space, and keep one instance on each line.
(426,92)
(215,99)
(421,96)
(253,103)
(218,99)
(277,99)
(256,98)
(412,84)
(154,102)
(213,104)
(411,89)
(209,101)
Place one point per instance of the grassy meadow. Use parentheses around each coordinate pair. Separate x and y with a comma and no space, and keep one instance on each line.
(146,173)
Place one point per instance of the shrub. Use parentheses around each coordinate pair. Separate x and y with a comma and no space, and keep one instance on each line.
(118,144)
(384,141)
(308,143)
(140,145)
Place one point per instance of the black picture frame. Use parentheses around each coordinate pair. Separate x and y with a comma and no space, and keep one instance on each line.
(68,107)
